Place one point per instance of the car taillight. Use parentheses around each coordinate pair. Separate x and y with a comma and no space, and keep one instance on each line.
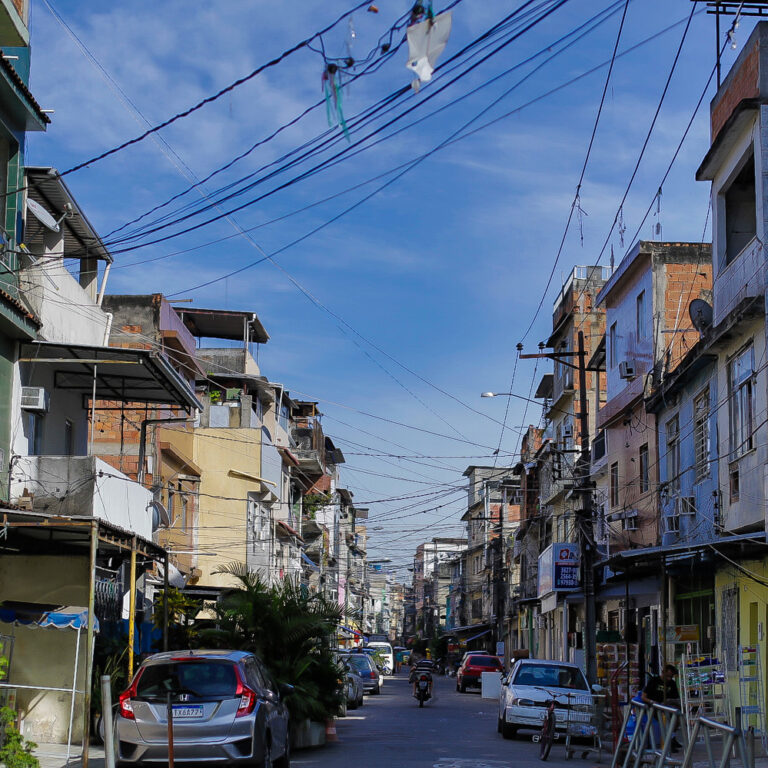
(424,677)
(247,697)
(126,705)
(374,674)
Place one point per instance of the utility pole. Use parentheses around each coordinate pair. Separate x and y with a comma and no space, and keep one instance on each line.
(584,517)
(583,486)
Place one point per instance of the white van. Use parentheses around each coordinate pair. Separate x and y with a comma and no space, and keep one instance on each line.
(387,655)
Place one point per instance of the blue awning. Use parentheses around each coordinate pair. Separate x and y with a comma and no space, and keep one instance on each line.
(307,560)
(40,615)
(479,634)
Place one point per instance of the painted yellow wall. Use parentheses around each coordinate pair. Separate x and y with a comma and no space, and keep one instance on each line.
(223,507)
(753,616)
(57,580)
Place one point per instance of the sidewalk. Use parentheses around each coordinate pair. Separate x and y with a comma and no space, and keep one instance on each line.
(55,756)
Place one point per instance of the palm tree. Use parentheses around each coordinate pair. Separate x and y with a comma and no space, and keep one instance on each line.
(292,631)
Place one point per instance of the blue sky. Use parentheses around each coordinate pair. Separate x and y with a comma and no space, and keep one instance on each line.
(443,269)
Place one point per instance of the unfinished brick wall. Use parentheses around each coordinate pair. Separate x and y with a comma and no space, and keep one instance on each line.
(684,283)
(744,84)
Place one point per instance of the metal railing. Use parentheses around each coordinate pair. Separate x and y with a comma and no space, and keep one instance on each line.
(642,747)
(732,737)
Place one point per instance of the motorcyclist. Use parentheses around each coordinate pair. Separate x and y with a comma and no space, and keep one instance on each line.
(419,665)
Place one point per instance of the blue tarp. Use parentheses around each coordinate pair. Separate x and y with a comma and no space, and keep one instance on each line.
(307,560)
(37,615)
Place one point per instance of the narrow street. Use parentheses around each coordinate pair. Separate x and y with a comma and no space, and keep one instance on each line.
(452,731)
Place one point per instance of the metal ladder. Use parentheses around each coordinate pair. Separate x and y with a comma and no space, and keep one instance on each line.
(751,696)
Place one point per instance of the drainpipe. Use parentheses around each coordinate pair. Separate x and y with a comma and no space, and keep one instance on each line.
(104,283)
(108,329)
(143,440)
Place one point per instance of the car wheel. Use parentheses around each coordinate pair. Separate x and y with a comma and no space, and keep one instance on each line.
(376,691)
(458,689)
(360,701)
(267,761)
(463,687)
(508,731)
(499,724)
(284,761)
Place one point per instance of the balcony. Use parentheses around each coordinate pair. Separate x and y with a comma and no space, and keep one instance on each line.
(742,279)
(82,486)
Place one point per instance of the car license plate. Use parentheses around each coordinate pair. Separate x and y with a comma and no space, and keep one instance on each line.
(187,711)
(422,683)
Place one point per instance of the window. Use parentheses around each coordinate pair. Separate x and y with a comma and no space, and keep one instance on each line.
(34,433)
(184,508)
(612,356)
(69,438)
(741,401)
(644,468)
(740,212)
(734,477)
(673,454)
(701,435)
(640,325)
(615,484)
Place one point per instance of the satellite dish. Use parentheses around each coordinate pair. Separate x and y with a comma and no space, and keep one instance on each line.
(701,315)
(42,215)
(160,516)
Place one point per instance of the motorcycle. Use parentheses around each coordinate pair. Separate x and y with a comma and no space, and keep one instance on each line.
(423,687)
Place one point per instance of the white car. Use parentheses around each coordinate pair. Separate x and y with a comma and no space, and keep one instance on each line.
(387,655)
(533,682)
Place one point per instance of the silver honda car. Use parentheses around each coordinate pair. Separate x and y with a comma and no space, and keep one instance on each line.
(226,709)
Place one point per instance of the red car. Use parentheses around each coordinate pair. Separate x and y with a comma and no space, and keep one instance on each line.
(471,669)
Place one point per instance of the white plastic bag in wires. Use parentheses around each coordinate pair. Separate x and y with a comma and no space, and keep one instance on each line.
(426,41)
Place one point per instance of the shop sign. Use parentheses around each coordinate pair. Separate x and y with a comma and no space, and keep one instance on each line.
(683,633)
(559,568)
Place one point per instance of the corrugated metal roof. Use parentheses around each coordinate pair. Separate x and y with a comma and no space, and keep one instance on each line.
(47,188)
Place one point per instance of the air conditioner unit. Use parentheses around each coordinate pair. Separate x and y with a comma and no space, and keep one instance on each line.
(627,369)
(567,430)
(34,399)
(630,524)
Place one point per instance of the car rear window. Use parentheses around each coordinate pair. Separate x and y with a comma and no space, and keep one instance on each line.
(360,663)
(551,675)
(197,678)
(484,661)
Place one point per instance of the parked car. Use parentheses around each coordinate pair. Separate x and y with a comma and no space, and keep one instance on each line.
(366,667)
(473,666)
(226,708)
(472,653)
(532,682)
(352,683)
(387,655)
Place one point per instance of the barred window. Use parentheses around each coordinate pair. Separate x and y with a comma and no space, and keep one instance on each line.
(673,453)
(644,469)
(615,484)
(701,435)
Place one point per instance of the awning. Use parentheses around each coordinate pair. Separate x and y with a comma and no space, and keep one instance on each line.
(309,562)
(223,324)
(466,628)
(40,615)
(479,634)
(351,631)
(47,188)
(123,375)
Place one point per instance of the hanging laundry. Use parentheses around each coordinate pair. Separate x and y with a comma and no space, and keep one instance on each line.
(426,41)
(333,105)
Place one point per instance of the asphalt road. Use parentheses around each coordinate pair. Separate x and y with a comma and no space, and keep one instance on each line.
(453,730)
